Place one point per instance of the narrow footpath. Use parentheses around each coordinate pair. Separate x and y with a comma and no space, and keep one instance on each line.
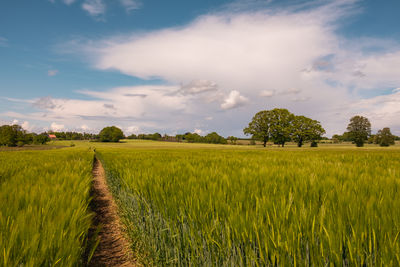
(113,248)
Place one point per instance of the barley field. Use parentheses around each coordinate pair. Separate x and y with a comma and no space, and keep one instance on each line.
(258,207)
(44,215)
(206,205)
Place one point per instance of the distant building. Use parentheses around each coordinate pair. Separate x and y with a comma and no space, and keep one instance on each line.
(52,136)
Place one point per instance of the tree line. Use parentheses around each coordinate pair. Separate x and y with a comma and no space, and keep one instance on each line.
(211,138)
(73,135)
(280,126)
(276,125)
(14,135)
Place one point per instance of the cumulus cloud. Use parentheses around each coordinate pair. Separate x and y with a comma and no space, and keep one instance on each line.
(234,100)
(267,93)
(131,130)
(52,72)
(94,7)
(57,127)
(383,110)
(292,58)
(27,126)
(84,127)
(198,131)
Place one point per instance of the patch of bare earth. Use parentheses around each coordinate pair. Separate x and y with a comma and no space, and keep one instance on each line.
(113,248)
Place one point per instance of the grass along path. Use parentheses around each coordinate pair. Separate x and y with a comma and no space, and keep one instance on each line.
(113,247)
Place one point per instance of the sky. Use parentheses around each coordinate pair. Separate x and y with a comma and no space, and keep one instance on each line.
(197,66)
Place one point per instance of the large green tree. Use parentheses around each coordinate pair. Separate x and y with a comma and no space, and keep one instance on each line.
(275,125)
(259,127)
(384,137)
(281,125)
(359,130)
(306,129)
(111,134)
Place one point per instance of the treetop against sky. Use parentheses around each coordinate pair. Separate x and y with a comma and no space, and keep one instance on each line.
(204,66)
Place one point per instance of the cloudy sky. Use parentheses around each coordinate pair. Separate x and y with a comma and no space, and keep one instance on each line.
(177,66)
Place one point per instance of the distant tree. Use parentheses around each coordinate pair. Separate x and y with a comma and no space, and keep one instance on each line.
(179,137)
(232,140)
(111,134)
(359,130)
(259,127)
(372,139)
(306,129)
(281,125)
(132,136)
(384,137)
(156,136)
(336,138)
(11,135)
(214,138)
(41,139)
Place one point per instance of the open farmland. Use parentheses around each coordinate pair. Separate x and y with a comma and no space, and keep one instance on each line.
(44,215)
(246,207)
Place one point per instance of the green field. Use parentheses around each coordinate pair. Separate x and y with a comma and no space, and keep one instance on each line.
(44,216)
(207,205)
(232,207)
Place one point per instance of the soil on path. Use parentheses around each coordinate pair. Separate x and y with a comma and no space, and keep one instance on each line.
(113,248)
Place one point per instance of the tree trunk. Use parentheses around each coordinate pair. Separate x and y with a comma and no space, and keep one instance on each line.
(265,143)
(300,143)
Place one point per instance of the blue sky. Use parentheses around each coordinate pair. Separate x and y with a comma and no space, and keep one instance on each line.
(178,66)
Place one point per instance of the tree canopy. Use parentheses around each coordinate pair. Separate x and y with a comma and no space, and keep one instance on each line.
(259,127)
(306,129)
(10,135)
(359,130)
(111,134)
(384,137)
(281,126)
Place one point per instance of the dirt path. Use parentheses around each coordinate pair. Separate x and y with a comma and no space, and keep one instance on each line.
(113,248)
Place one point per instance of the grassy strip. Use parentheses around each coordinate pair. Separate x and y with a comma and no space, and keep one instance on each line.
(241,208)
(44,216)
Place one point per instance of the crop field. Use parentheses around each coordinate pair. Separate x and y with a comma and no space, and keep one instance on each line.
(257,207)
(206,205)
(44,215)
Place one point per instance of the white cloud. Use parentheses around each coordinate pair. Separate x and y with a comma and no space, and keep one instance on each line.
(290,58)
(131,130)
(14,122)
(94,7)
(234,100)
(198,131)
(267,93)
(57,127)
(198,87)
(383,111)
(26,126)
(130,5)
(85,127)
(52,72)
